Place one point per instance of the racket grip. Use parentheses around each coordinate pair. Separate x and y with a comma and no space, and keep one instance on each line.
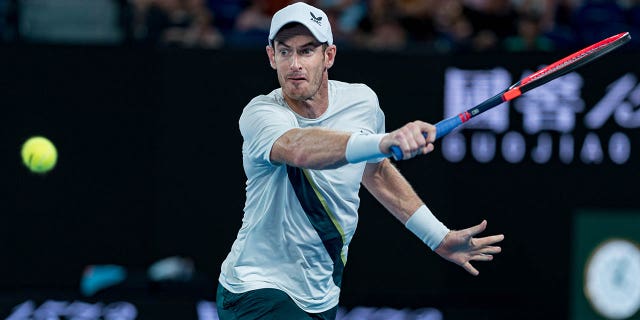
(443,128)
(396,153)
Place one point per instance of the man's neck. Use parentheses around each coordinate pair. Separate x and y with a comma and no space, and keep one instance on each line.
(313,107)
(310,108)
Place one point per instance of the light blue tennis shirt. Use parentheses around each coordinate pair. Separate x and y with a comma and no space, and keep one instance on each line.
(298,223)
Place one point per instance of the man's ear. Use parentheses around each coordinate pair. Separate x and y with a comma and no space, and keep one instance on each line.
(272,58)
(330,56)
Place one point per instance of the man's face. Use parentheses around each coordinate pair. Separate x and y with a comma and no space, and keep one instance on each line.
(300,62)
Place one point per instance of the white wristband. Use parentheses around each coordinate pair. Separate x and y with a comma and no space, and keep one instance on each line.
(363,147)
(427,227)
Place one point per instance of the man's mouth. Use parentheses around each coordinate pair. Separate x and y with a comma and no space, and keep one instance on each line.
(296,77)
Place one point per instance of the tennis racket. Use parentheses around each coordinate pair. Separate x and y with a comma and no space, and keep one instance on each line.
(536,79)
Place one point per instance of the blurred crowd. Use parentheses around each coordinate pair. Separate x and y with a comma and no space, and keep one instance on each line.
(439,25)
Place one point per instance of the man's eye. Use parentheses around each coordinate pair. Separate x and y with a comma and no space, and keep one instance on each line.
(306,51)
(284,52)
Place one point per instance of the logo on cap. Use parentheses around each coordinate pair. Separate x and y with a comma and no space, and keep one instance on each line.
(315,19)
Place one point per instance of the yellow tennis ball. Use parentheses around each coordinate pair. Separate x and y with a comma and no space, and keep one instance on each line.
(39,154)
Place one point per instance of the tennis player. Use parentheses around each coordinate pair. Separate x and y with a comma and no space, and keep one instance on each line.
(307,148)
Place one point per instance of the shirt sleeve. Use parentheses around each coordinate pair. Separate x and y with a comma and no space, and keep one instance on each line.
(379,121)
(261,124)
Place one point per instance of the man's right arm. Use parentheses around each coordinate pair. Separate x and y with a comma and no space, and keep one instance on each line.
(312,148)
(319,148)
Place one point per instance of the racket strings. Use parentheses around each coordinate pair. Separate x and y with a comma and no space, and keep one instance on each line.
(595,51)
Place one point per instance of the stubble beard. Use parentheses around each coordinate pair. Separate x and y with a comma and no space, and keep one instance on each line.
(297,92)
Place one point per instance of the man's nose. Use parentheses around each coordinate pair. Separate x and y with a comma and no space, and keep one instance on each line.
(295,62)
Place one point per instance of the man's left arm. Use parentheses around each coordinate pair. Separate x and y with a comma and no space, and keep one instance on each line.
(394,192)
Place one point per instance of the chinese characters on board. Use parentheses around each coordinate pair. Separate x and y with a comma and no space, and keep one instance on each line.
(549,117)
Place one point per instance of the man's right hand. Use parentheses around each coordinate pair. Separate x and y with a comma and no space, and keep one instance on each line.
(410,139)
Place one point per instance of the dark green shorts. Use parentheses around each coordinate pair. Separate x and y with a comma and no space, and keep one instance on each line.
(263,304)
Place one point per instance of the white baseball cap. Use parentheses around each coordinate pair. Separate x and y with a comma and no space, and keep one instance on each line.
(311,17)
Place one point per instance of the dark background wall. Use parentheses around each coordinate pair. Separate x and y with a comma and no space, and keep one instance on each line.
(150,166)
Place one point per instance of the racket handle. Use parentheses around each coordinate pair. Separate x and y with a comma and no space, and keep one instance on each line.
(443,128)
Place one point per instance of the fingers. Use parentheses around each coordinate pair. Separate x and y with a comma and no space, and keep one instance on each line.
(428,148)
(488,250)
(487,241)
(478,257)
(481,257)
(474,249)
(429,129)
(473,271)
(415,139)
(472,231)
(418,133)
(411,140)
